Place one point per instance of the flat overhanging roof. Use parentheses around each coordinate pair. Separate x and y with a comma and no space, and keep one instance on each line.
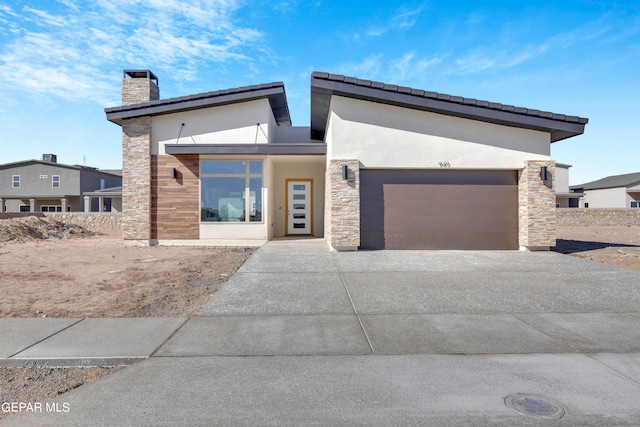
(325,85)
(316,148)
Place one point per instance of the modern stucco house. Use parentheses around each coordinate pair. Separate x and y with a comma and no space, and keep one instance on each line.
(381,166)
(48,186)
(617,191)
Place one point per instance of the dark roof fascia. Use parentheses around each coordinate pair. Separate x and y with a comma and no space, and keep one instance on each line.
(104,193)
(49,164)
(37,196)
(324,85)
(59,165)
(274,149)
(568,195)
(274,92)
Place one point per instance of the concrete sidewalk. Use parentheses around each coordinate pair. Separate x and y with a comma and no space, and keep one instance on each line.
(304,335)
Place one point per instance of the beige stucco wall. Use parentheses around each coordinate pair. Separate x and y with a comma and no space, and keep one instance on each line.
(297,167)
(387,136)
(228,124)
(606,198)
(562,179)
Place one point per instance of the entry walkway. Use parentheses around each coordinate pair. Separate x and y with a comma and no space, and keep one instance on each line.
(304,335)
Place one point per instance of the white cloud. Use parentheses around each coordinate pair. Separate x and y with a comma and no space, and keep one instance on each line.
(511,53)
(7,10)
(66,53)
(368,68)
(407,67)
(406,18)
(403,19)
(46,18)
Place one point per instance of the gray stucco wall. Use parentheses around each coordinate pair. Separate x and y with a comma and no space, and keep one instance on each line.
(36,179)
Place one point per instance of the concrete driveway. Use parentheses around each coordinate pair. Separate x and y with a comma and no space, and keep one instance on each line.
(301,335)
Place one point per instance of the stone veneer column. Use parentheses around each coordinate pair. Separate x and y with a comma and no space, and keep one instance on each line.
(136,179)
(136,160)
(342,205)
(537,206)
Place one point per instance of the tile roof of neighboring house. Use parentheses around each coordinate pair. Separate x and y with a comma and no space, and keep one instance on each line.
(625,180)
(323,85)
(274,92)
(59,165)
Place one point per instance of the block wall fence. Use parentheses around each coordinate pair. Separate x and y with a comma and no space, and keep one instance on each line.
(597,217)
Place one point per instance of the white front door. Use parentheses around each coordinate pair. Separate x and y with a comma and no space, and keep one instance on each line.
(299,207)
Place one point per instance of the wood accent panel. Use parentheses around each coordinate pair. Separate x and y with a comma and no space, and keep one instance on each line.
(175,202)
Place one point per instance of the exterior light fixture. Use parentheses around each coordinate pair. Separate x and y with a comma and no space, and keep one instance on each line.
(345,172)
(174,173)
(543,173)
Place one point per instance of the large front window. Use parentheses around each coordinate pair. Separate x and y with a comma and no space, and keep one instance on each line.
(231,190)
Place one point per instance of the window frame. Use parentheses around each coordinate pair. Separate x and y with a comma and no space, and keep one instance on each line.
(13,181)
(50,208)
(248,175)
(53,181)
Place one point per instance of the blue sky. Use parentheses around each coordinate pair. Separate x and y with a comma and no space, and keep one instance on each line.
(61,63)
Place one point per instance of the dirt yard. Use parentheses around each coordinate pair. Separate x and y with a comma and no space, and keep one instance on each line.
(618,246)
(78,274)
(50,269)
(56,270)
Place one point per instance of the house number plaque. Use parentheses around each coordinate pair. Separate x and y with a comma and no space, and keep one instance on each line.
(445,164)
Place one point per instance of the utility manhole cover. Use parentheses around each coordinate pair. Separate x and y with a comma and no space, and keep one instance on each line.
(535,406)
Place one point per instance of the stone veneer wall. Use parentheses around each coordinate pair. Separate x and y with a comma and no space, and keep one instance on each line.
(536,206)
(136,179)
(99,222)
(137,90)
(342,205)
(597,217)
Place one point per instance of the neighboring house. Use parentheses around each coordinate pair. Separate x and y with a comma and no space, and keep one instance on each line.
(565,198)
(381,166)
(103,200)
(618,191)
(48,186)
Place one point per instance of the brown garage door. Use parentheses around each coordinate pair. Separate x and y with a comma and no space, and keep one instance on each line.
(417,209)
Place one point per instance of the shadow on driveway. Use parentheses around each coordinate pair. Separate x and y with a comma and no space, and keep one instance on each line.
(572,246)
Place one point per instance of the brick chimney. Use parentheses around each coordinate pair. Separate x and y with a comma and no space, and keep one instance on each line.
(139,86)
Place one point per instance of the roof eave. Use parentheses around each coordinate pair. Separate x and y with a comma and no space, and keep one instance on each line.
(274,93)
(322,89)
